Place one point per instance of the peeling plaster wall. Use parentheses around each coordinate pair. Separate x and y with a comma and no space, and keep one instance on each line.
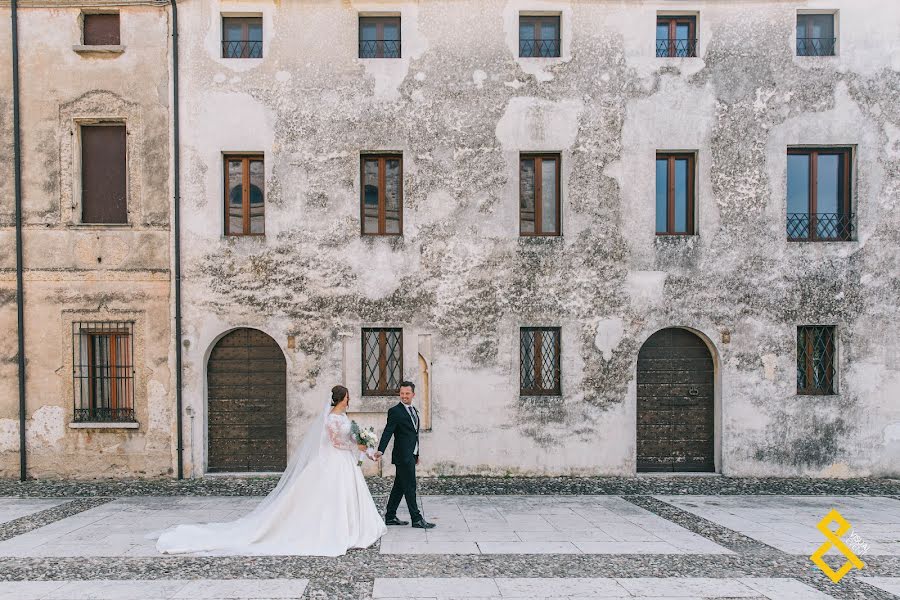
(460,105)
(82,272)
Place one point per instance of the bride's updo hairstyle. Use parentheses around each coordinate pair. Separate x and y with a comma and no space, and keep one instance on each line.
(338,393)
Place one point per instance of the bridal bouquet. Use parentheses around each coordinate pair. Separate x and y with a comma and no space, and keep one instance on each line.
(363,436)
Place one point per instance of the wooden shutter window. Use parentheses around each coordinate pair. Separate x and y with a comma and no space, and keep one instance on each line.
(103,174)
(101,30)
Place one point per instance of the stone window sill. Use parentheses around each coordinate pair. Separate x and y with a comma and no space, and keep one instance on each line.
(102,225)
(134,425)
(112,49)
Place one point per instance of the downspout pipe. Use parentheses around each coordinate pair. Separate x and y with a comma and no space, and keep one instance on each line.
(20,286)
(176,229)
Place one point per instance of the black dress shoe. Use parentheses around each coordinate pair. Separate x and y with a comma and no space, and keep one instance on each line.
(395,521)
(423,524)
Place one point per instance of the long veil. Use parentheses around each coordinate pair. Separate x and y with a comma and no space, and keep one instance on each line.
(255,524)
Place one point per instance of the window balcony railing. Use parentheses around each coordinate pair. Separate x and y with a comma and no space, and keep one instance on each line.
(539,48)
(379,49)
(104,415)
(242,49)
(816,46)
(676,48)
(821,227)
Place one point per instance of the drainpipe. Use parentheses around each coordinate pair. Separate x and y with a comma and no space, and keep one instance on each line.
(20,286)
(176,226)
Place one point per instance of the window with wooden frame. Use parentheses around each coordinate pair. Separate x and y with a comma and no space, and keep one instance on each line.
(381,194)
(382,361)
(103,371)
(816,34)
(242,37)
(674,193)
(104,181)
(539,195)
(100,29)
(815,360)
(379,37)
(245,184)
(539,36)
(818,195)
(539,361)
(676,36)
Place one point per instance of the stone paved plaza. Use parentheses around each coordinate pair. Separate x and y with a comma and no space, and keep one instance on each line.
(671,538)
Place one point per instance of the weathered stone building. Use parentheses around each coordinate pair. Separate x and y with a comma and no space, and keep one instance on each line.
(600,236)
(95,156)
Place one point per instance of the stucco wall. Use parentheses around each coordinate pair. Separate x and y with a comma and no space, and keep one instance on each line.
(79,272)
(460,105)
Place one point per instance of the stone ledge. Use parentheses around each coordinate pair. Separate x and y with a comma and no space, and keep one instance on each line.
(99,49)
(134,425)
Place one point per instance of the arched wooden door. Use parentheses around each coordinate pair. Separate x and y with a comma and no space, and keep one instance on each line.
(675,407)
(247,404)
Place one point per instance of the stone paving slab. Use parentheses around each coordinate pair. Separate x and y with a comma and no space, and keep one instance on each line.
(542,525)
(636,588)
(158,589)
(788,523)
(14,508)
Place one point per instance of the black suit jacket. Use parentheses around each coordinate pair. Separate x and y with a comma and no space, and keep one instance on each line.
(406,435)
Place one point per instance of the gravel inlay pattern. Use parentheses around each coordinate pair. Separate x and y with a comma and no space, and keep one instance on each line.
(22,525)
(471,486)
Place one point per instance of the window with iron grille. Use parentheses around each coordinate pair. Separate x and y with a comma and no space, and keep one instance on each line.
(100,29)
(242,37)
(382,361)
(674,194)
(379,37)
(104,189)
(381,194)
(818,195)
(539,36)
(245,185)
(103,371)
(815,360)
(539,350)
(539,197)
(815,35)
(676,36)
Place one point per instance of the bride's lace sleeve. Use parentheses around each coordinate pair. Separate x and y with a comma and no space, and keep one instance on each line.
(339,438)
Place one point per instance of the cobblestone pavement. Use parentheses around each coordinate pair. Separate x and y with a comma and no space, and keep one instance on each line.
(562,538)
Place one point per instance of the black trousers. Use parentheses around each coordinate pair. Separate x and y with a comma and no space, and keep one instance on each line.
(404,486)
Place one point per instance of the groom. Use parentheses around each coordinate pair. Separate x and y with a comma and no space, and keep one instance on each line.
(403,424)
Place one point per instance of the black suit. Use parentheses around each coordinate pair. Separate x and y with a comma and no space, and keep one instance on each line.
(404,456)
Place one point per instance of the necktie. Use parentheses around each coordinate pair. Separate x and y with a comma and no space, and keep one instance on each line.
(414,415)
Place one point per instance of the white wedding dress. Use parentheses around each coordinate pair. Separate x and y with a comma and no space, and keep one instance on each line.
(320,507)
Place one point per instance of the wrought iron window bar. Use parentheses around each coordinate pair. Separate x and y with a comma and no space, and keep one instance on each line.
(820,227)
(815,360)
(539,48)
(816,46)
(242,49)
(379,49)
(103,371)
(678,48)
(539,356)
(382,361)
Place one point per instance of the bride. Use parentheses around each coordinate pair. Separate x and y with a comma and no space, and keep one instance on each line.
(320,507)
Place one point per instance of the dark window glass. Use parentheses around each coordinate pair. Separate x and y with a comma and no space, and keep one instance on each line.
(674,194)
(815,360)
(379,37)
(818,195)
(382,361)
(242,37)
(539,194)
(815,35)
(539,360)
(539,36)
(103,371)
(676,36)
(245,186)
(103,174)
(382,195)
(101,30)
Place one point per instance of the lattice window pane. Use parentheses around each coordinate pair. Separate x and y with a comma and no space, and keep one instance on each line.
(527,360)
(370,359)
(815,360)
(382,357)
(539,361)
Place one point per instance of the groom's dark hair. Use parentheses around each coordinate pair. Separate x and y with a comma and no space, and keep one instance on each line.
(408,384)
